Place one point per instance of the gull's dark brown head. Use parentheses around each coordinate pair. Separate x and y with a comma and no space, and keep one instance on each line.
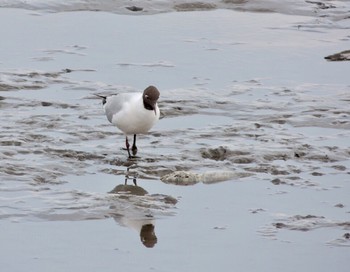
(150,98)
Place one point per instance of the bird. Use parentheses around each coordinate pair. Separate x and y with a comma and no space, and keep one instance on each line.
(132,113)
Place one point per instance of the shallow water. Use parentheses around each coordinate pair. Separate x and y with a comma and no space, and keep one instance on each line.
(253,117)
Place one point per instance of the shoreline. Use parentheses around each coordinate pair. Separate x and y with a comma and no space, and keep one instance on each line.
(318,9)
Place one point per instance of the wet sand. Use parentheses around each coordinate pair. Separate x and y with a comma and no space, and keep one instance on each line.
(249,161)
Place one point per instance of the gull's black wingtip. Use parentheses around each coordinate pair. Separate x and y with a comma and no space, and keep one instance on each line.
(104,98)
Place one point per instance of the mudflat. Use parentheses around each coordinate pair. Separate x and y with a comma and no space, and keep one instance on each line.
(248,167)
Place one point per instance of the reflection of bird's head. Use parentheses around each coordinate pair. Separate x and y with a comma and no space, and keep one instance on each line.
(148,236)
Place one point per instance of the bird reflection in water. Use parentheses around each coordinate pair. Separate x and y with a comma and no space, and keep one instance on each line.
(134,179)
(135,217)
(148,236)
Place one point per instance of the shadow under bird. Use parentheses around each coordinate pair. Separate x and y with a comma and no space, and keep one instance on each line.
(132,113)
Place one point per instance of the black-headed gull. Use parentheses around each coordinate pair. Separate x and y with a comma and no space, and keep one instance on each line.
(133,113)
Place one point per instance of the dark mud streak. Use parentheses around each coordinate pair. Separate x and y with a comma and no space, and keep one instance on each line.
(341,56)
(194,6)
(310,222)
(32,80)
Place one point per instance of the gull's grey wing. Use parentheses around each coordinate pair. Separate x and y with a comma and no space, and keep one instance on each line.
(115,103)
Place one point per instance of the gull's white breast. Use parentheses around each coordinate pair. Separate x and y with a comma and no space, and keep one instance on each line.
(132,117)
